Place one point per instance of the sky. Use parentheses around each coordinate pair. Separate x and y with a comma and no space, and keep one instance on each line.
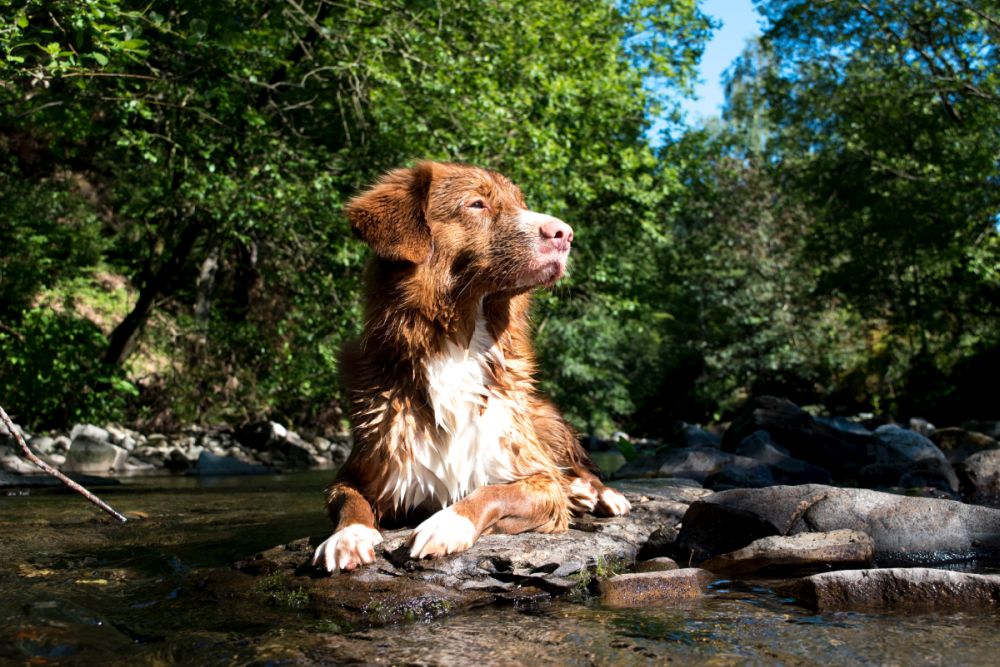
(739,23)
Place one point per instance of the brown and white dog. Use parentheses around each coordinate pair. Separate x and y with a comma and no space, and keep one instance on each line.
(447,421)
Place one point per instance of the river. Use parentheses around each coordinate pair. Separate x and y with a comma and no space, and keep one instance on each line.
(78,589)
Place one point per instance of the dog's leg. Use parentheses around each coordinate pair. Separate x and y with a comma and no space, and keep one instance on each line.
(354,537)
(534,503)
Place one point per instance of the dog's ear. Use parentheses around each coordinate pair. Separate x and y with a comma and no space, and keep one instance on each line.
(390,217)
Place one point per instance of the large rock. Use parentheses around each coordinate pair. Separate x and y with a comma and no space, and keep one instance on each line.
(916,454)
(905,529)
(91,453)
(705,465)
(837,549)
(916,588)
(640,589)
(497,567)
(841,452)
(981,477)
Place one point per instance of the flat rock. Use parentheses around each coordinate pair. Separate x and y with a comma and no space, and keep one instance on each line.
(836,549)
(904,529)
(917,588)
(640,589)
(497,567)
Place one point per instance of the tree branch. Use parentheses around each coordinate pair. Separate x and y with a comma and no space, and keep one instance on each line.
(16,432)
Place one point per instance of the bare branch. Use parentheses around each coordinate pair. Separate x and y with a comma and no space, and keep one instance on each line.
(16,432)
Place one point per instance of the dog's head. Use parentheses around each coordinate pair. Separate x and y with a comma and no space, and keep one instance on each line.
(467,223)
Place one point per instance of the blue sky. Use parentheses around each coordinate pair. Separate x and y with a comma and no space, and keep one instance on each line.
(739,23)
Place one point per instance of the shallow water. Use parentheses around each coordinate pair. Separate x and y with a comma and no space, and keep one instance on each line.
(78,589)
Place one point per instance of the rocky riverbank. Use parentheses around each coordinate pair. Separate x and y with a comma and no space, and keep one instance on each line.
(833,513)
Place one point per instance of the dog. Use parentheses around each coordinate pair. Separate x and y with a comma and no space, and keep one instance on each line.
(448,424)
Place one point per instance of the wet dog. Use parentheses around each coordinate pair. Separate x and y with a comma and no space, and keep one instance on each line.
(448,424)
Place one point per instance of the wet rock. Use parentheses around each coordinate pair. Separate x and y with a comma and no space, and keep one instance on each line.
(89,455)
(981,477)
(959,444)
(212,464)
(640,589)
(897,446)
(898,589)
(659,564)
(835,549)
(804,438)
(784,468)
(695,463)
(497,567)
(904,529)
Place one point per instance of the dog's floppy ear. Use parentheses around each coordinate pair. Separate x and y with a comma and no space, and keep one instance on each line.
(390,217)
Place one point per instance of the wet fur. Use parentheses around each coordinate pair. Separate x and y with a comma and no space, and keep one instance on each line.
(444,407)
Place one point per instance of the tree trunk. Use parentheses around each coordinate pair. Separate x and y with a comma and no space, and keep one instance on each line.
(125,337)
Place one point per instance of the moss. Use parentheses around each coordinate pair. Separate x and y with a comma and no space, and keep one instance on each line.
(277,593)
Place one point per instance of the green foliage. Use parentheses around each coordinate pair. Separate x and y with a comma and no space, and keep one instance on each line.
(52,371)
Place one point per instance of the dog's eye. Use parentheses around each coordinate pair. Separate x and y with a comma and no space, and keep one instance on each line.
(479,203)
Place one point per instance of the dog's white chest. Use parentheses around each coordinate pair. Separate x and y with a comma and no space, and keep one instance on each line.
(465,449)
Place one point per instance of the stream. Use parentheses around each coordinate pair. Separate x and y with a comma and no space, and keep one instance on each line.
(79,589)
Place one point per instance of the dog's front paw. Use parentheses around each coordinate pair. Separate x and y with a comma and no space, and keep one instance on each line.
(347,548)
(582,495)
(612,503)
(446,532)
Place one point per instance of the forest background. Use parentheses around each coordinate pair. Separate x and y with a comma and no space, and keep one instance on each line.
(172,176)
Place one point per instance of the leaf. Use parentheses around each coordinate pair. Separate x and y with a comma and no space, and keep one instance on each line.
(99,57)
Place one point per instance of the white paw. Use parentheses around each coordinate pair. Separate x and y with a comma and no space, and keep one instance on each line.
(446,532)
(583,495)
(614,503)
(348,548)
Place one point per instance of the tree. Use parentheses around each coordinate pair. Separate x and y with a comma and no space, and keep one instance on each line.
(218,141)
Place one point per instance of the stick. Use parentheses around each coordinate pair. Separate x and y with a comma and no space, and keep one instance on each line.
(16,432)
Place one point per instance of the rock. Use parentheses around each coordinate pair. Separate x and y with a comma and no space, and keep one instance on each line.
(261,436)
(784,468)
(904,529)
(15,464)
(497,567)
(897,446)
(89,432)
(695,463)
(740,472)
(922,426)
(43,444)
(89,455)
(916,588)
(689,435)
(648,588)
(835,549)
(959,444)
(981,477)
(790,427)
(214,465)
(989,428)
(175,461)
(658,564)
(843,424)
